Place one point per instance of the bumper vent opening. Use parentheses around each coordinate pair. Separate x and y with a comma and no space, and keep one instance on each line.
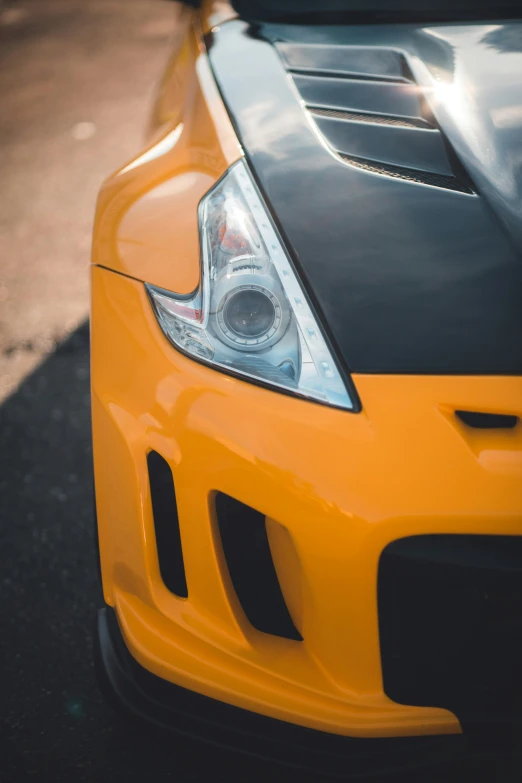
(450,621)
(249,560)
(166,524)
(487,421)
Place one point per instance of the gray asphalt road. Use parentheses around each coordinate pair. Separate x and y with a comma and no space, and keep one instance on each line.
(75,81)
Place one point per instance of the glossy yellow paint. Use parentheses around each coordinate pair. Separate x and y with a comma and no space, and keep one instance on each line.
(335,487)
(146,219)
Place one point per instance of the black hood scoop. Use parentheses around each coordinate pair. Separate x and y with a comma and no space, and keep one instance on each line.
(370,111)
(391,158)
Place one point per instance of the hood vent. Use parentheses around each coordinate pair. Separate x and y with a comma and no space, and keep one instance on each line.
(371,112)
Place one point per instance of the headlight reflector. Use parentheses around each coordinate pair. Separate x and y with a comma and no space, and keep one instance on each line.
(250,315)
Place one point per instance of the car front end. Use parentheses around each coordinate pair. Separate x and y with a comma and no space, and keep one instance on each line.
(306,394)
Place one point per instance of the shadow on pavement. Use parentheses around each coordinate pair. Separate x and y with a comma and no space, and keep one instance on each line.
(56,725)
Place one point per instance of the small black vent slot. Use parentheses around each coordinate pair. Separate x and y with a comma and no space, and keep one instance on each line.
(487,421)
(378,119)
(166,524)
(409,175)
(249,560)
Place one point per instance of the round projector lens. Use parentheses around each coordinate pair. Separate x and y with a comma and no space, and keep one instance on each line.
(249,313)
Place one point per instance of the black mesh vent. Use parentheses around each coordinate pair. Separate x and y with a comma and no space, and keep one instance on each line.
(249,560)
(450,618)
(378,119)
(166,524)
(487,421)
(410,175)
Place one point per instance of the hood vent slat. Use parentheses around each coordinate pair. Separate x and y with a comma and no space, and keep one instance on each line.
(378,119)
(353,95)
(411,175)
(415,148)
(354,61)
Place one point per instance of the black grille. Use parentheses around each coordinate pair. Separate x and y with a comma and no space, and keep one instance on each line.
(249,560)
(166,524)
(450,614)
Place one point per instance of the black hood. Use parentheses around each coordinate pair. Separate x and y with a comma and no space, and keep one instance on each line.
(391,158)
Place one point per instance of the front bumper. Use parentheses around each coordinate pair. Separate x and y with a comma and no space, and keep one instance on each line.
(172,708)
(336,489)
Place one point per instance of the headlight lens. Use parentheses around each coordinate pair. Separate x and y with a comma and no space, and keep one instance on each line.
(249,312)
(250,315)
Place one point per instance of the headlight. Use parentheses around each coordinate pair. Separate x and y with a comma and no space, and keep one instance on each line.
(250,316)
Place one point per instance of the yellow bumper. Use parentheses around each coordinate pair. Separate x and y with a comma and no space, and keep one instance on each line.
(335,487)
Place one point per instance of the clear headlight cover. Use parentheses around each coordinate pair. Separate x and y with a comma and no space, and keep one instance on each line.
(249,315)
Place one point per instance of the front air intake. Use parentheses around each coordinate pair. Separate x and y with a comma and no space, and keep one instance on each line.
(166,524)
(450,619)
(249,560)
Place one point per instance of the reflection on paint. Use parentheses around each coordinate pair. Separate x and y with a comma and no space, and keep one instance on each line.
(163,146)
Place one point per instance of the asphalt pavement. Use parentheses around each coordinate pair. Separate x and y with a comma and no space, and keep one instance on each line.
(76,79)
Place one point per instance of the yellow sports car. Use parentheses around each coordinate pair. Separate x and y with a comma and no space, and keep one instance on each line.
(306,385)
